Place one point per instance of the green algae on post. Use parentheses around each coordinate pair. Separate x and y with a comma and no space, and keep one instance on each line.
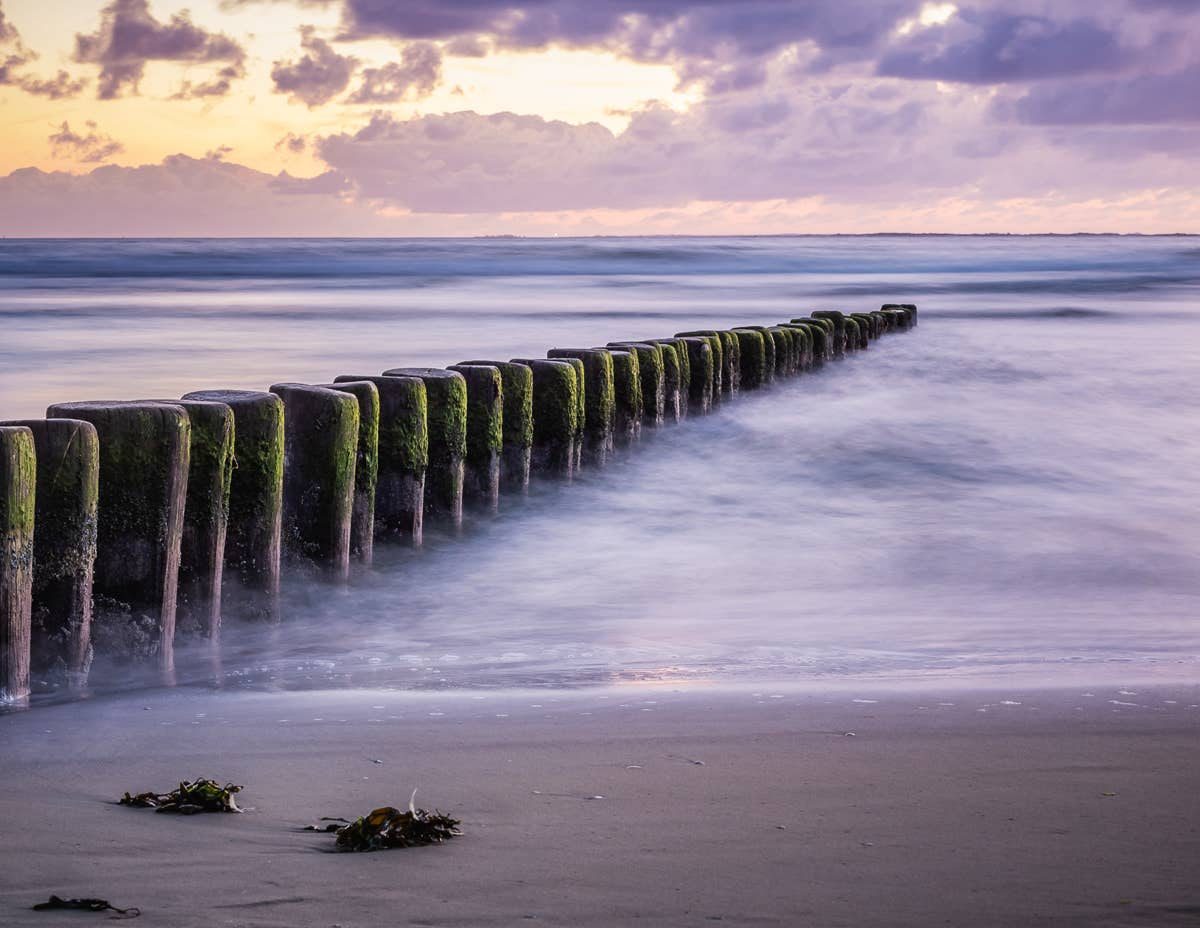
(700,358)
(485,434)
(627,396)
(18,483)
(320,453)
(366,468)
(205,517)
(768,351)
(555,413)
(145,453)
(250,583)
(599,397)
(516,383)
(652,377)
(753,358)
(64,548)
(674,396)
(403,455)
(446,410)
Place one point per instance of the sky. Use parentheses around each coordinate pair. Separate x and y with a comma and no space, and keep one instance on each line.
(586,117)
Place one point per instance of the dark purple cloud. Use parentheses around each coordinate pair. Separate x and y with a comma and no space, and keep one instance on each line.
(418,72)
(1143,99)
(296,144)
(129,36)
(316,77)
(91,148)
(712,41)
(993,48)
(14,57)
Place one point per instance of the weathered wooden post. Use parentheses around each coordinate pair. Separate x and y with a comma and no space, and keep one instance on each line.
(485,434)
(205,517)
(804,344)
(768,351)
(627,396)
(725,358)
(555,415)
(64,548)
(674,393)
(250,583)
(18,482)
(908,309)
(366,468)
(838,320)
(785,351)
(402,457)
(651,376)
(446,394)
(823,332)
(683,373)
(599,398)
(703,368)
(145,453)
(516,382)
(753,358)
(319,453)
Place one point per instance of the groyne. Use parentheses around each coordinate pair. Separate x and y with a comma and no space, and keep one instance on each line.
(128,524)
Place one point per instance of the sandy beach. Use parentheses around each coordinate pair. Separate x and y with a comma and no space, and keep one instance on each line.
(649,804)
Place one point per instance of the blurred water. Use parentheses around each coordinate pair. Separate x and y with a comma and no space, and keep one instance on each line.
(1009,489)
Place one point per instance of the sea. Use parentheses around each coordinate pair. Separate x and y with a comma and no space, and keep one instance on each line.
(1007,494)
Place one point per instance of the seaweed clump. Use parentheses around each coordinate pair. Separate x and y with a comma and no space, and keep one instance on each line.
(388,827)
(189,799)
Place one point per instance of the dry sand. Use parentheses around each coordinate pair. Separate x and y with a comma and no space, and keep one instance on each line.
(642,804)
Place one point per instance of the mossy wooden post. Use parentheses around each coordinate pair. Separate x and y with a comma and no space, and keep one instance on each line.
(674,397)
(866,328)
(802,344)
(785,351)
(64,548)
(880,327)
(555,415)
(205,518)
(838,320)
(446,395)
(724,349)
(700,360)
(402,457)
(145,452)
(366,468)
(683,375)
(627,396)
(18,482)
(909,311)
(651,377)
(768,351)
(580,409)
(485,435)
(853,336)
(823,332)
(599,398)
(320,449)
(753,361)
(516,382)
(250,583)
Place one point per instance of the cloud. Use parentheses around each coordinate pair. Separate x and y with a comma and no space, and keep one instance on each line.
(704,39)
(293,143)
(180,196)
(419,70)
(1143,99)
(129,36)
(14,56)
(317,77)
(991,48)
(89,149)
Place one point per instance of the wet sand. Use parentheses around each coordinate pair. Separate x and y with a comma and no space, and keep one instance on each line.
(646,804)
